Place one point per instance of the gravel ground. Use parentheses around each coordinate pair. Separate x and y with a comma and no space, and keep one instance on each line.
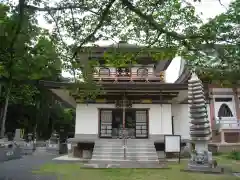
(21,169)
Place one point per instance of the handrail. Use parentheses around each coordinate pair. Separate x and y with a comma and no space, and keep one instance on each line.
(129,76)
(227,122)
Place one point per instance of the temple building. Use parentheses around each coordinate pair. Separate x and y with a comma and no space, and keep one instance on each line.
(138,99)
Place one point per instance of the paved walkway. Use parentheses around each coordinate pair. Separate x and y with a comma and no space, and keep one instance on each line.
(21,169)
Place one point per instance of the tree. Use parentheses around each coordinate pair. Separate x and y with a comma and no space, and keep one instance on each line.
(27,53)
(172,25)
(221,63)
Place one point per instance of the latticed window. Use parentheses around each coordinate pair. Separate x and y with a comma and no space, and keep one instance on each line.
(142,72)
(106,116)
(106,123)
(141,116)
(104,72)
(225,111)
(141,124)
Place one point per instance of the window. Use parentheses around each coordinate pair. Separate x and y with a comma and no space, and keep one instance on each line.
(104,72)
(142,72)
(223,99)
(225,111)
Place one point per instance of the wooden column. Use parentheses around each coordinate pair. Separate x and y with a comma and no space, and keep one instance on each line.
(211,104)
(222,137)
(236,99)
(124,109)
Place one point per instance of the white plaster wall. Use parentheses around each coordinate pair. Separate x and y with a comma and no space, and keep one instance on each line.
(222,90)
(182,121)
(160,118)
(87,118)
(160,121)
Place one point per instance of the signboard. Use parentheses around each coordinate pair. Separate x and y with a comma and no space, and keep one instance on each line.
(172,144)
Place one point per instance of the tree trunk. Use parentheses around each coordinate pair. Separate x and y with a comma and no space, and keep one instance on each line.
(37,117)
(5,109)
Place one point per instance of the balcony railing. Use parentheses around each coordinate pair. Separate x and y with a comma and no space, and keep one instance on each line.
(227,123)
(133,76)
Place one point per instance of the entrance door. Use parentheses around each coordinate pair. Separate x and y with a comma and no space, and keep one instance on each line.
(105,130)
(141,124)
(130,122)
(117,123)
(111,123)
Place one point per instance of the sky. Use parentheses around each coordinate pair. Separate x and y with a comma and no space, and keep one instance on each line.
(205,9)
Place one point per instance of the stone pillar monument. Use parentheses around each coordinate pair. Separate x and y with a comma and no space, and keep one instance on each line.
(201,158)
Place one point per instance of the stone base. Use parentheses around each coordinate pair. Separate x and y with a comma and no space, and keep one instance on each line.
(204,168)
(127,164)
(27,150)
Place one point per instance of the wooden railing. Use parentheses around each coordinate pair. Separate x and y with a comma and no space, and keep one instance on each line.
(131,76)
(227,123)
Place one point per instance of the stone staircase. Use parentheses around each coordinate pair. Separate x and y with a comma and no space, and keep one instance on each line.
(112,150)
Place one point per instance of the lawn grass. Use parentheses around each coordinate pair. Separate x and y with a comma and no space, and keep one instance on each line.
(73,171)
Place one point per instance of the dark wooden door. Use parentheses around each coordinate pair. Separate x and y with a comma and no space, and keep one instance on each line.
(141,123)
(117,123)
(105,124)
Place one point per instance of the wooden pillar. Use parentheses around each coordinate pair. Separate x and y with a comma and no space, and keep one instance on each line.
(236,99)
(124,109)
(222,137)
(211,104)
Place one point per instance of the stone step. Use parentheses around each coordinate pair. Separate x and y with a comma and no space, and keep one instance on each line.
(108,150)
(136,150)
(117,158)
(139,146)
(121,145)
(127,150)
(126,142)
(124,164)
(143,158)
(100,143)
(138,156)
(108,153)
(108,145)
(142,153)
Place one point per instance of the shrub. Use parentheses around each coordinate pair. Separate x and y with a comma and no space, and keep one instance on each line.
(235,155)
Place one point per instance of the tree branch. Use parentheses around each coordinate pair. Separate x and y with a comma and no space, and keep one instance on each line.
(155,25)
(19,24)
(102,18)
(58,29)
(60,8)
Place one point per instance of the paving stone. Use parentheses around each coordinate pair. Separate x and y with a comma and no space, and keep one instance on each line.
(113,166)
(21,169)
(91,166)
(236,174)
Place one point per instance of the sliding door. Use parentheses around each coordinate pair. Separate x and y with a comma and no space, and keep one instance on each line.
(141,123)
(105,124)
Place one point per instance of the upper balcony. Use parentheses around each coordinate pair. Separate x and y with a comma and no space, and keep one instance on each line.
(227,123)
(137,74)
